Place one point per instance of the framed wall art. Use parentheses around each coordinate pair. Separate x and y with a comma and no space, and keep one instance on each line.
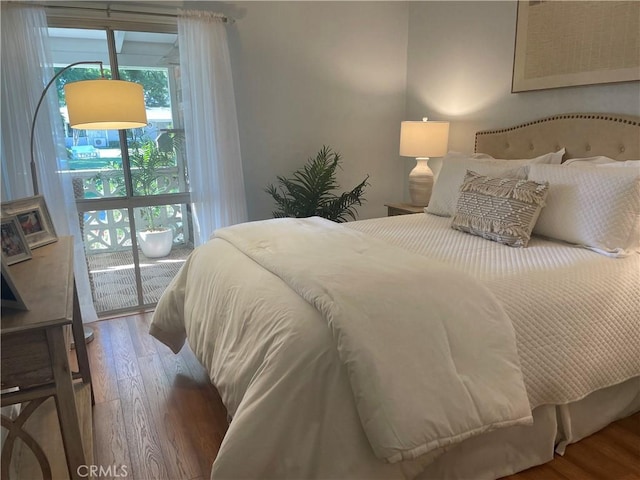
(34,219)
(562,44)
(14,243)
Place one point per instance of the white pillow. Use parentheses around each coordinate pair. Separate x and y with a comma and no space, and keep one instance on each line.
(601,162)
(454,168)
(553,158)
(626,163)
(597,208)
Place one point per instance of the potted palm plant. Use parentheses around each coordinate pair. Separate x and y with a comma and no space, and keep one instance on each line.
(310,191)
(147,157)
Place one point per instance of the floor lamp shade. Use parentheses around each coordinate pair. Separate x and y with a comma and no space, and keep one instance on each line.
(423,140)
(95,105)
(105,105)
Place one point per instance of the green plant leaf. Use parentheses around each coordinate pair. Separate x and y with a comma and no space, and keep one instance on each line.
(309,191)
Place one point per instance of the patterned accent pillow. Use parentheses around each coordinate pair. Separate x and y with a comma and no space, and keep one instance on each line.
(500,209)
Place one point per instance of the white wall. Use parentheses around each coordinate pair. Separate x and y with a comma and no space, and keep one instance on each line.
(314,73)
(346,73)
(459,67)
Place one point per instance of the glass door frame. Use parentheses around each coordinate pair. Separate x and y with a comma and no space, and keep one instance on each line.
(130,201)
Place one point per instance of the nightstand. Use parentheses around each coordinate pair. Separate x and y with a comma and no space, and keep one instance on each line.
(394,209)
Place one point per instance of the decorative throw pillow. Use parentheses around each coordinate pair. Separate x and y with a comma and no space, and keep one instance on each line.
(455,165)
(591,206)
(500,209)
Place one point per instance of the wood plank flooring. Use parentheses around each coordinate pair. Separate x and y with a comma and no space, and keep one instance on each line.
(157,413)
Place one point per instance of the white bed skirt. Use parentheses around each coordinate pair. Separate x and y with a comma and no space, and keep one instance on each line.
(578,420)
(510,450)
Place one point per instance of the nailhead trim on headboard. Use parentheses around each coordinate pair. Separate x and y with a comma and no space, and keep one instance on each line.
(587,116)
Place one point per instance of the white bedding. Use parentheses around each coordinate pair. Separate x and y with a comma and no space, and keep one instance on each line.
(575,315)
(403,346)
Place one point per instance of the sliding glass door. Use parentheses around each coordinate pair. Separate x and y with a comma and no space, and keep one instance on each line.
(131,187)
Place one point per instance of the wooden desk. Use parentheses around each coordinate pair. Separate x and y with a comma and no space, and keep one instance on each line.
(35,346)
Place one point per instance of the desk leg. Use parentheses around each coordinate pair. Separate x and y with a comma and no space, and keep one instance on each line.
(66,402)
(80,345)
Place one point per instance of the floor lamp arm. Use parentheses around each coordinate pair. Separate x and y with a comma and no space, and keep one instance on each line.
(34,171)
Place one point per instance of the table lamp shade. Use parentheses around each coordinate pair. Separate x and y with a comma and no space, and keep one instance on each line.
(424,139)
(105,105)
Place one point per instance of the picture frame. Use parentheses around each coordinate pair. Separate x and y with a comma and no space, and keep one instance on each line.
(567,44)
(15,247)
(35,221)
(11,297)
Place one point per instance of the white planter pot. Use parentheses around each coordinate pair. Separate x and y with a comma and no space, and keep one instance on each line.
(157,243)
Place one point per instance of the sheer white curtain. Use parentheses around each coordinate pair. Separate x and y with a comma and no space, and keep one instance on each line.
(26,67)
(211,124)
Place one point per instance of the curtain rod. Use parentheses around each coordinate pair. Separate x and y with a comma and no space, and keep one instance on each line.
(108,10)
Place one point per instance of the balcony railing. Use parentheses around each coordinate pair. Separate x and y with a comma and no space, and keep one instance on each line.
(109,230)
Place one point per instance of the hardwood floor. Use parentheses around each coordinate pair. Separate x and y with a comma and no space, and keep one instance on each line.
(157,413)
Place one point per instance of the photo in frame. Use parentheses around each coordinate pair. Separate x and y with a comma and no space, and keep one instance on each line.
(15,247)
(34,219)
(11,297)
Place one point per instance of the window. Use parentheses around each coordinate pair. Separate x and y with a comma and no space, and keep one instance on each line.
(128,183)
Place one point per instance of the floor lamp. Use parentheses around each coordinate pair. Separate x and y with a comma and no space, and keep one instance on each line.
(100,104)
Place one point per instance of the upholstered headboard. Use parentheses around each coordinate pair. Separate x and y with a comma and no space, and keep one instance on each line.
(581,134)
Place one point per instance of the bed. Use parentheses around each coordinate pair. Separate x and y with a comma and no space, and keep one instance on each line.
(342,374)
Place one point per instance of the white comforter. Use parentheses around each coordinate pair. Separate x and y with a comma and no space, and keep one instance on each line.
(274,362)
(403,331)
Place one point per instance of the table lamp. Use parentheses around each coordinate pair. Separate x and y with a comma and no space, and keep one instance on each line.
(422,140)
